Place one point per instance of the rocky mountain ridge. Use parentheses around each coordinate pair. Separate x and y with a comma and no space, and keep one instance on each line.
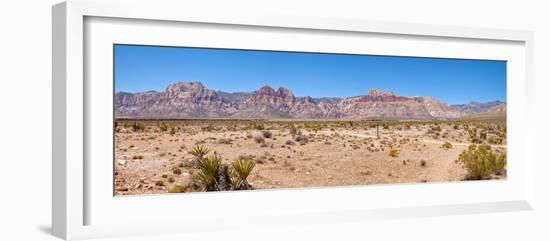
(194,100)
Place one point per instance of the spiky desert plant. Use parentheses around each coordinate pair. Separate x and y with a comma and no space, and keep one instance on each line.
(199,152)
(223,179)
(242,169)
(480,162)
(208,171)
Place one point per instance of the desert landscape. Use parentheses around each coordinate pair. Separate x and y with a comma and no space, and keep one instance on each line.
(189,138)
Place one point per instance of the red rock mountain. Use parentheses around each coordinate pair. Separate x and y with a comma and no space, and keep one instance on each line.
(193,100)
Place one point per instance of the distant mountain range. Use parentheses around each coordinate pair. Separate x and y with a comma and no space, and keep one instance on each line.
(193,100)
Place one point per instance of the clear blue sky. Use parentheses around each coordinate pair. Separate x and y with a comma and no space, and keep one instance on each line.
(144,68)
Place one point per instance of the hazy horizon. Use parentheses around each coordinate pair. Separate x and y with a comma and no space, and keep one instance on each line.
(318,75)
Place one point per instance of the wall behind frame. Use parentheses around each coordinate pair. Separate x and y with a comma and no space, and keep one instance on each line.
(26,118)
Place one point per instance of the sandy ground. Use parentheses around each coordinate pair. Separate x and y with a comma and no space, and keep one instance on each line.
(333,156)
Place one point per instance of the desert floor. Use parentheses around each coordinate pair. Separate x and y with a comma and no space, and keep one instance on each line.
(336,154)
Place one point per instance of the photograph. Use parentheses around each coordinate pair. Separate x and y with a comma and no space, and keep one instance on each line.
(190,119)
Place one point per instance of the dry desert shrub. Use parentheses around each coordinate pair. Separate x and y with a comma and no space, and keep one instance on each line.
(447,145)
(163,127)
(293,130)
(138,127)
(302,139)
(393,153)
(494,140)
(259,139)
(226,141)
(481,162)
(267,134)
(177,189)
(208,128)
(177,171)
(483,135)
(256,126)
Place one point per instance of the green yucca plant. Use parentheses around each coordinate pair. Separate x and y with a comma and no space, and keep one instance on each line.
(199,152)
(208,171)
(242,169)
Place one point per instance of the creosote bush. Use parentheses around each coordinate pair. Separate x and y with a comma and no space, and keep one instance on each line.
(481,162)
(447,145)
(393,153)
(177,171)
(163,127)
(293,130)
(494,140)
(267,134)
(259,139)
(225,141)
(138,127)
(257,126)
(483,135)
(177,189)
(302,139)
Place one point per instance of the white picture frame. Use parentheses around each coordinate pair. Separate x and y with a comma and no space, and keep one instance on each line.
(75,200)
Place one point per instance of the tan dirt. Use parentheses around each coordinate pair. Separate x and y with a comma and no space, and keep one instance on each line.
(333,156)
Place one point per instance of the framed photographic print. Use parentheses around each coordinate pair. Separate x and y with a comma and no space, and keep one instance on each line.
(286,118)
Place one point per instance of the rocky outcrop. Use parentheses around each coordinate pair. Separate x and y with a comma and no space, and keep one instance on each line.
(193,100)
